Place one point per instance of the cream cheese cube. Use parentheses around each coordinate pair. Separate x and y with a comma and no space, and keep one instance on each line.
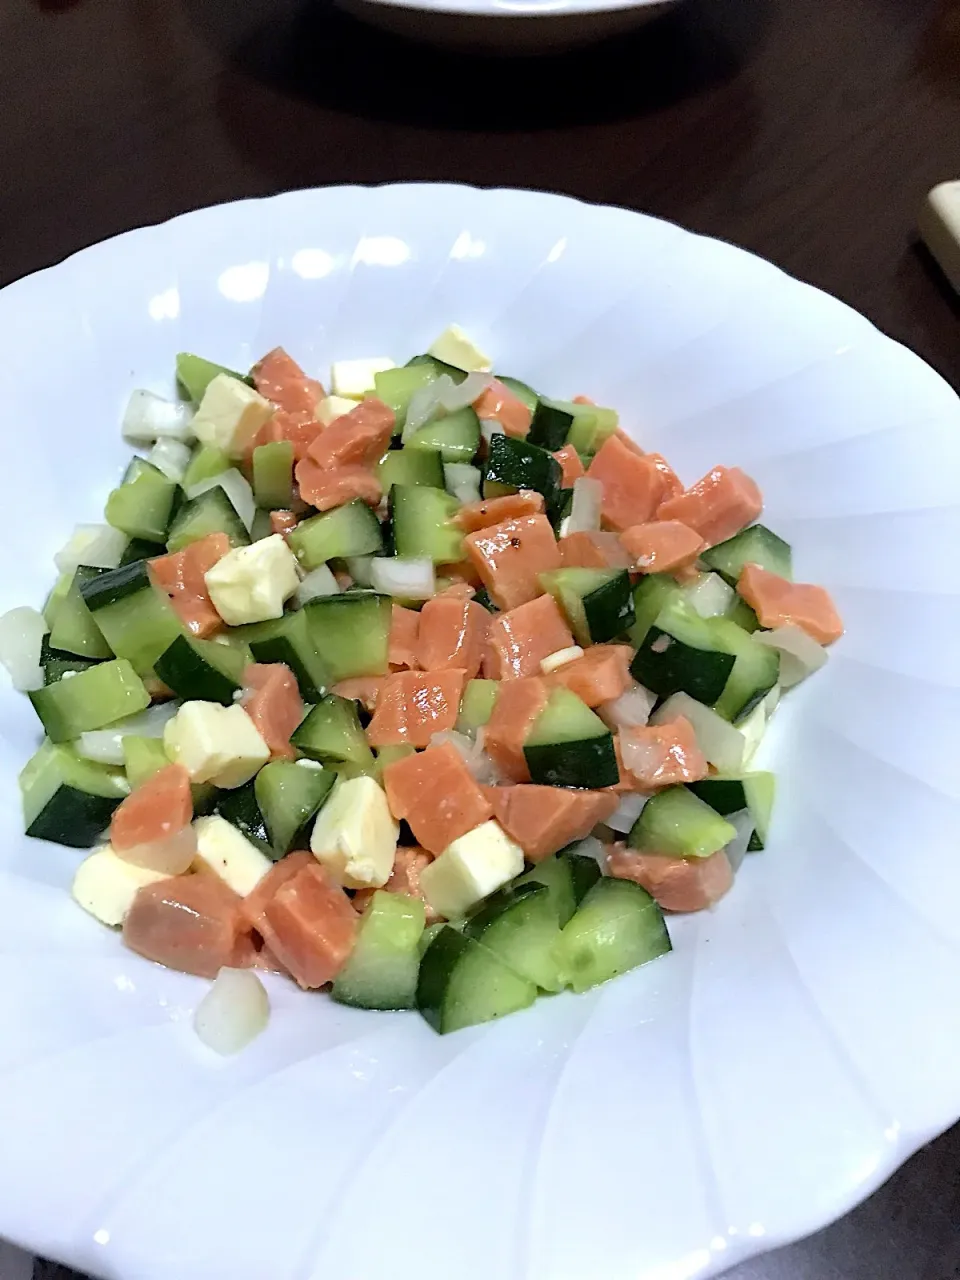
(454,347)
(354,378)
(225,851)
(250,584)
(105,885)
(230,415)
(355,835)
(215,744)
(334,407)
(471,868)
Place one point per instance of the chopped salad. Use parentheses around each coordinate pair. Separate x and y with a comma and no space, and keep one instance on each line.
(434,690)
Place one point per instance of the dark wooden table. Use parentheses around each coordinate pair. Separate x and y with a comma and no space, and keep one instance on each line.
(806,130)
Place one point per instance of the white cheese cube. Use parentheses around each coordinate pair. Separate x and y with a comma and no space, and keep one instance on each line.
(454,347)
(250,584)
(334,407)
(560,658)
(355,835)
(106,885)
(215,744)
(230,415)
(225,851)
(471,868)
(354,378)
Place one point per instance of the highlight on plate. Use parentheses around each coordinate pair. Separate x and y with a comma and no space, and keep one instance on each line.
(433,690)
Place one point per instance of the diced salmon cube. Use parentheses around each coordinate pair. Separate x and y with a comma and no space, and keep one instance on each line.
(634,484)
(499,403)
(283,521)
(544,819)
(778,602)
(404,631)
(358,438)
(718,506)
(593,551)
(280,379)
(271,698)
(310,925)
(521,637)
(511,555)
(672,484)
(414,705)
(453,633)
(662,755)
(603,673)
(254,904)
(662,546)
(583,400)
(158,808)
(180,576)
(362,689)
(405,878)
(457,591)
(192,923)
(570,465)
(678,884)
(325,488)
(489,511)
(627,440)
(436,794)
(518,704)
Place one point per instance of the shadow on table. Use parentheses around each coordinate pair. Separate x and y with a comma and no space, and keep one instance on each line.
(325,57)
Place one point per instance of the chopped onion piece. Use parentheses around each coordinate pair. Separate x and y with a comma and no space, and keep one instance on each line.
(560,658)
(149,417)
(481,766)
(425,405)
(233,1012)
(589,847)
(359,569)
(237,489)
(736,850)
(106,745)
(318,582)
(408,579)
(584,514)
(490,427)
(640,758)
(710,596)
(172,457)
(754,726)
(633,707)
(722,744)
(21,640)
(170,855)
(627,811)
(459,395)
(800,655)
(462,480)
(98,545)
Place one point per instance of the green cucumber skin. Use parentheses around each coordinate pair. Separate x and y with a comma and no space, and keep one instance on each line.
(240,808)
(665,665)
(440,996)
(591,763)
(184,670)
(616,928)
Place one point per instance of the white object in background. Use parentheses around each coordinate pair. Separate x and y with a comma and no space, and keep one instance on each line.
(353,379)
(98,545)
(333,407)
(939,225)
(233,1012)
(230,415)
(148,417)
(251,584)
(455,347)
(106,885)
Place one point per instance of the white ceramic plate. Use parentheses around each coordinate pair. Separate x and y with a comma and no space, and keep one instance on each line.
(803,1038)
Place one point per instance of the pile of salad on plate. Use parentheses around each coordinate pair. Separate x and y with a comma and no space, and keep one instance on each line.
(434,688)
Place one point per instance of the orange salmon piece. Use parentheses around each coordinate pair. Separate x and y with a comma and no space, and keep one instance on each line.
(325,488)
(191,923)
(570,465)
(436,794)
(778,602)
(594,550)
(310,926)
(405,878)
(511,555)
(358,438)
(512,506)
(725,501)
(500,403)
(157,809)
(634,484)
(544,819)
(282,522)
(662,755)
(414,705)
(662,546)
(254,904)
(180,576)
(603,673)
(453,633)
(404,632)
(522,636)
(362,689)
(271,698)
(518,704)
(678,884)
(280,379)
